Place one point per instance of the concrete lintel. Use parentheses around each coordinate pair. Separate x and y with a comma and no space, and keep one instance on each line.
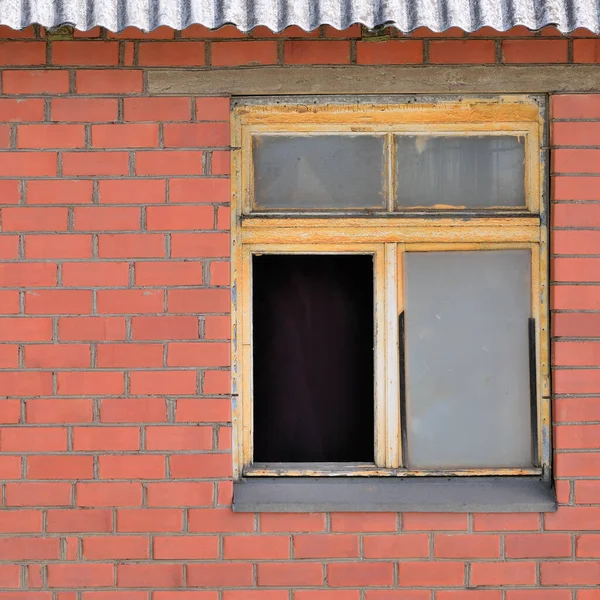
(494,79)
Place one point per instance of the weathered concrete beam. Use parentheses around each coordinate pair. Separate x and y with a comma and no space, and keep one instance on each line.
(376,80)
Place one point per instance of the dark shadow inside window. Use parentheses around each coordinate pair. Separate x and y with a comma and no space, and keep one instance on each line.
(313,338)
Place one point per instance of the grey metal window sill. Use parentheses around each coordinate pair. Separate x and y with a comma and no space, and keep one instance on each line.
(416,494)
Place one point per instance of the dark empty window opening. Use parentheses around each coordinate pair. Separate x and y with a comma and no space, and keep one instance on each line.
(313,329)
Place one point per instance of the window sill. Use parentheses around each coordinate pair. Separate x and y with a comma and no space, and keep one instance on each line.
(416,494)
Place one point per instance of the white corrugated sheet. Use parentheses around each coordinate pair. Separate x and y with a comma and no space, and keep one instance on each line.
(406,15)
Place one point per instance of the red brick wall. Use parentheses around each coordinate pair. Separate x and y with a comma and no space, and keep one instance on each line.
(114,301)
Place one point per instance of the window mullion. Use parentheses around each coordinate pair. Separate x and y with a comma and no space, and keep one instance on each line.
(392,384)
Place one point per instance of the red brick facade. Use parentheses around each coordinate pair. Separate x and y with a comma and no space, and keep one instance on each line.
(115,441)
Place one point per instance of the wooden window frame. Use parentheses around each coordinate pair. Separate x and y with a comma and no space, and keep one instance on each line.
(386,235)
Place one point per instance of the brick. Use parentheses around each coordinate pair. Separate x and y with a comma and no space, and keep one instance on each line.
(199,301)
(114,595)
(29,548)
(434,521)
(22,53)
(163,382)
(360,574)
(60,191)
(149,520)
(179,54)
(537,545)
(96,495)
(60,467)
(88,439)
(10,467)
(58,246)
(134,191)
(21,521)
(95,274)
(172,162)
(462,52)
(535,51)
(217,328)
(84,109)
(168,273)
(289,574)
(586,492)
(210,520)
(59,411)
(9,246)
(576,270)
(165,327)
(131,245)
(196,135)
(80,575)
(579,381)
(575,106)
(576,297)
(203,466)
(79,521)
(198,354)
(31,383)
(34,219)
(14,110)
(91,328)
(28,275)
(284,522)
(169,218)
(186,547)
(11,411)
(47,356)
(576,409)
(130,302)
(109,82)
(10,302)
(217,382)
(221,162)
(35,82)
(223,218)
(326,546)
(586,51)
(132,467)
(207,245)
(540,594)
(142,135)
(220,575)
(518,573)
(33,439)
(178,437)
(130,356)
(199,190)
(95,163)
(212,109)
(184,595)
(157,109)
(100,53)
(38,494)
(587,546)
(566,160)
(171,494)
(316,53)
(133,410)
(229,54)
(255,595)
(577,436)
(9,356)
(575,134)
(391,52)
(90,382)
(578,464)
(360,522)
(570,573)
(256,547)
(116,548)
(50,136)
(10,190)
(10,577)
(466,546)
(333,595)
(576,242)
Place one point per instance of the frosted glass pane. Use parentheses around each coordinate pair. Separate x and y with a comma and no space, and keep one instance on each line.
(460,171)
(318,171)
(467,359)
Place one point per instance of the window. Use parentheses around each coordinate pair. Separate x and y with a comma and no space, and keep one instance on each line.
(390,288)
